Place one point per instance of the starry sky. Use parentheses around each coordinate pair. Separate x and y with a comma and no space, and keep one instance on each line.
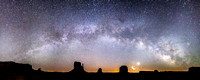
(142,34)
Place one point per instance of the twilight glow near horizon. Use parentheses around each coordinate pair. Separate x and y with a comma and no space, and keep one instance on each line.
(144,35)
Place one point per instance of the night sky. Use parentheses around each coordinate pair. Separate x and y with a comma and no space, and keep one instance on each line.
(144,35)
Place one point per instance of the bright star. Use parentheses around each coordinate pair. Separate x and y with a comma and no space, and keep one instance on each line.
(138,63)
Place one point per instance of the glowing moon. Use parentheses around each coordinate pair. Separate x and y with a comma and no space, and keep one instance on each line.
(133,67)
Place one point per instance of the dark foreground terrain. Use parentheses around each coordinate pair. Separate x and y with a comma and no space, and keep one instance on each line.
(16,71)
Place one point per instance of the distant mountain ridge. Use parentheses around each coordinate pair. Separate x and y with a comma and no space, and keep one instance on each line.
(10,70)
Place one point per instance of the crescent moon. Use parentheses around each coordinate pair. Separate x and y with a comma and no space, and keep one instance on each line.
(132,67)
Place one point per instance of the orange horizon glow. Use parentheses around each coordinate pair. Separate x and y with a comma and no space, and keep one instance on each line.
(115,71)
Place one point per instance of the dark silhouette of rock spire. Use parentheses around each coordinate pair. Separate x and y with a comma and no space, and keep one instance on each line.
(123,71)
(78,68)
(99,71)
